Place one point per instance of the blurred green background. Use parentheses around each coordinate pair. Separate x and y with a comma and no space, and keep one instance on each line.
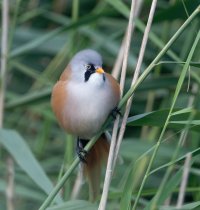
(43,36)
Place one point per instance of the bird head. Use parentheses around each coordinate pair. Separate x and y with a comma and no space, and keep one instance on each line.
(86,67)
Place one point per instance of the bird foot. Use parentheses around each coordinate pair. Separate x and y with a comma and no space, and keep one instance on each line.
(116,111)
(80,150)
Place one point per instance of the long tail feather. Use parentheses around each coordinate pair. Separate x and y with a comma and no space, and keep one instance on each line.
(92,168)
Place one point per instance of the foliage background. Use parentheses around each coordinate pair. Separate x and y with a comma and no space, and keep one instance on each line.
(43,36)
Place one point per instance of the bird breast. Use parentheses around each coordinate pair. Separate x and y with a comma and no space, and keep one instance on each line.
(86,107)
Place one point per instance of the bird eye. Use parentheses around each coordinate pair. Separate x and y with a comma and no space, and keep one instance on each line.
(88,67)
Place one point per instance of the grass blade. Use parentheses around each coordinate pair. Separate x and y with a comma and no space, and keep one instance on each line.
(17,147)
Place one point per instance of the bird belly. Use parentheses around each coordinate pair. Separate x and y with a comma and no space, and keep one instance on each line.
(86,109)
(86,124)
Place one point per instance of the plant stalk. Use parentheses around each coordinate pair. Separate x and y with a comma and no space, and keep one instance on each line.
(109,169)
(177,91)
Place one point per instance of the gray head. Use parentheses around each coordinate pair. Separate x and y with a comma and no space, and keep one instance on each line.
(85,65)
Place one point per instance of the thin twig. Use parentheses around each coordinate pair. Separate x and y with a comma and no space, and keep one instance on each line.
(136,75)
(186,171)
(10,186)
(77,185)
(138,7)
(109,168)
(4,54)
(118,64)
(184,134)
(127,46)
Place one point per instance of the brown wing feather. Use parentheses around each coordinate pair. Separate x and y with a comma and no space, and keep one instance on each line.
(66,75)
(59,96)
(115,86)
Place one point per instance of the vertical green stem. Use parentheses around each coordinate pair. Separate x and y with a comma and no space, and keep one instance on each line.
(177,91)
(68,159)
(75,10)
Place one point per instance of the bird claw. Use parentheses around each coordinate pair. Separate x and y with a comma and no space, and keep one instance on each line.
(116,111)
(80,151)
(82,155)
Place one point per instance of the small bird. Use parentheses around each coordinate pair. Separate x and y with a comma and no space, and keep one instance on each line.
(82,100)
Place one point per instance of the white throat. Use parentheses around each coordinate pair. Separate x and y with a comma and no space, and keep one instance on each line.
(96,79)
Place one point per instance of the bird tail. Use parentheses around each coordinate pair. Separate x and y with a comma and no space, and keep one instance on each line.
(97,155)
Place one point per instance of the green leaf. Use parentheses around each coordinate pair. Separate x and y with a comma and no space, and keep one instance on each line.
(193,153)
(158,118)
(132,182)
(74,205)
(194,64)
(120,7)
(188,206)
(168,189)
(185,122)
(20,151)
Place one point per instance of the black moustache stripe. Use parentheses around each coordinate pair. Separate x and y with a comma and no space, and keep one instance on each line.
(104,77)
(88,74)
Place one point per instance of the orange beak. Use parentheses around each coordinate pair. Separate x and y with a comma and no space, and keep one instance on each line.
(100,70)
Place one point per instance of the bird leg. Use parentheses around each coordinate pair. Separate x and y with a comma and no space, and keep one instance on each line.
(80,149)
(115,112)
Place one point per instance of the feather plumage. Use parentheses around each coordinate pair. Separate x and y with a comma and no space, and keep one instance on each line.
(81,108)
